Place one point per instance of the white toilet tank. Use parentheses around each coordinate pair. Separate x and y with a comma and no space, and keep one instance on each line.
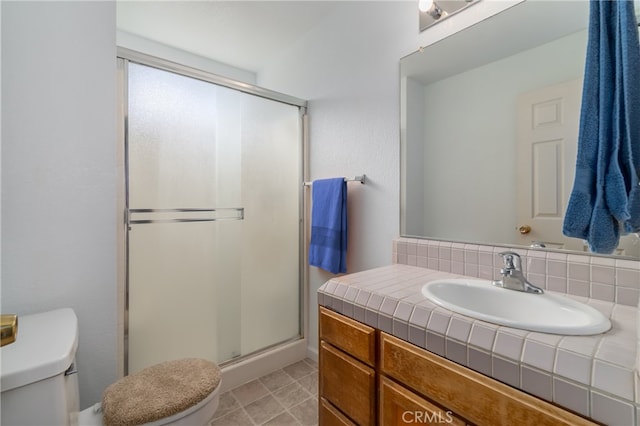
(38,378)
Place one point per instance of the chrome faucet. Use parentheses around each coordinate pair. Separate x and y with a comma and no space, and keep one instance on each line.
(512,277)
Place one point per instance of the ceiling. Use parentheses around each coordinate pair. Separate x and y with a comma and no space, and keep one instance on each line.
(244,34)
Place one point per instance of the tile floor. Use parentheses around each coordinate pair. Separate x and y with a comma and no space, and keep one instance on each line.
(285,397)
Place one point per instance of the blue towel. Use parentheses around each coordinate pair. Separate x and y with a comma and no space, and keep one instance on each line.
(605,199)
(328,246)
(630,141)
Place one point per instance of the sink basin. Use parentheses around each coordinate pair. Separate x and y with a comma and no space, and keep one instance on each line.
(546,313)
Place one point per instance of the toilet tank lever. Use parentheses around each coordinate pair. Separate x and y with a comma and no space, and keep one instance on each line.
(71,370)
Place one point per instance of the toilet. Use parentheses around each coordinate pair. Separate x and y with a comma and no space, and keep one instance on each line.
(39,383)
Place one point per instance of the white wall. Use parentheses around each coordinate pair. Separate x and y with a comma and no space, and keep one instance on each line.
(349,74)
(154,48)
(59,172)
(348,69)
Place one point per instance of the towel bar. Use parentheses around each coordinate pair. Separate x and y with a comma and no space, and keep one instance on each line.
(360,179)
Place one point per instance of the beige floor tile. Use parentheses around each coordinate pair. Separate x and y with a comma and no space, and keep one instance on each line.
(264,409)
(311,362)
(310,383)
(284,419)
(276,380)
(306,412)
(290,395)
(298,370)
(227,404)
(235,418)
(250,392)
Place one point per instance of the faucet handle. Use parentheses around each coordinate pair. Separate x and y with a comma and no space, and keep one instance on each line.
(511,259)
(513,277)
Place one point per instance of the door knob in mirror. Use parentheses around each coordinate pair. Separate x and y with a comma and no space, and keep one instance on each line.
(524,229)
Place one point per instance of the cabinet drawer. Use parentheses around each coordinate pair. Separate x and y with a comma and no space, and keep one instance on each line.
(330,416)
(348,384)
(354,338)
(478,398)
(400,406)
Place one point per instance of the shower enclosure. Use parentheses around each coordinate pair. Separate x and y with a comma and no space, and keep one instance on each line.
(213,215)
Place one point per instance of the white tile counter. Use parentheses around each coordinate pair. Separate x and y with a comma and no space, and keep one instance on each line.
(592,375)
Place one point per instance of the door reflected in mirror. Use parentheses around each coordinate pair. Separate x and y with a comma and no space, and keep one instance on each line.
(489,122)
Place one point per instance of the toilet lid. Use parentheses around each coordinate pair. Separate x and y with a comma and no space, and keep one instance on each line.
(159,391)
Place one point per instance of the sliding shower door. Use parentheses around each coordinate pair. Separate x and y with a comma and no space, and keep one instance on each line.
(213,214)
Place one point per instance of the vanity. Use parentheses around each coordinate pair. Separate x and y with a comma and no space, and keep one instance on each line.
(389,356)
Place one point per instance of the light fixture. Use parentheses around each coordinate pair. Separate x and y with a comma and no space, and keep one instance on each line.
(425,5)
(432,12)
(431,8)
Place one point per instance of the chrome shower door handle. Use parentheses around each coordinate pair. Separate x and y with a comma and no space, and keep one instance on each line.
(183,215)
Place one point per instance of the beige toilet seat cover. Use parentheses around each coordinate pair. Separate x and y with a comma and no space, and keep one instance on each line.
(159,391)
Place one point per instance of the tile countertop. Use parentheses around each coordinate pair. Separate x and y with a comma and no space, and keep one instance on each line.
(591,375)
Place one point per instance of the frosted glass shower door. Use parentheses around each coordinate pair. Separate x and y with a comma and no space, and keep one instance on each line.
(213,212)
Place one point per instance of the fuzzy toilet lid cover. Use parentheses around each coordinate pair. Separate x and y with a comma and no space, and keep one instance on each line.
(159,391)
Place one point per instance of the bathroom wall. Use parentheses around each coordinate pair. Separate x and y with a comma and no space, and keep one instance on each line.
(59,172)
(154,48)
(349,76)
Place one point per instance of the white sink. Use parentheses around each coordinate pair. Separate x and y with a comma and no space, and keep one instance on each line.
(546,313)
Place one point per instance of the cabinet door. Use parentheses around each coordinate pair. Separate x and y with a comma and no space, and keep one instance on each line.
(356,339)
(348,384)
(330,416)
(399,406)
(480,399)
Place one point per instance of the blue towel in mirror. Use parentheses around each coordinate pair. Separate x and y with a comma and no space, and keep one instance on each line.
(605,200)
(328,246)
(629,81)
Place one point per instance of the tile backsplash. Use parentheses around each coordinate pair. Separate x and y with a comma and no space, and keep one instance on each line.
(587,275)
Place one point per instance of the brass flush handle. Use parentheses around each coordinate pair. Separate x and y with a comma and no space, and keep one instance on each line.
(524,229)
(8,328)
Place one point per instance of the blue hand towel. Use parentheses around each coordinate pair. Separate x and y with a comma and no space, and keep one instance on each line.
(604,200)
(328,246)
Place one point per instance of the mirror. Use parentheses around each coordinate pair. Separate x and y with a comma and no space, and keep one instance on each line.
(489,120)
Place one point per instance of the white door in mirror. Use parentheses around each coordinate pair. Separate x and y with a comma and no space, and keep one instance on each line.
(547,138)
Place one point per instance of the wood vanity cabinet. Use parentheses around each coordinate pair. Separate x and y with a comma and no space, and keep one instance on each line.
(369,377)
(347,377)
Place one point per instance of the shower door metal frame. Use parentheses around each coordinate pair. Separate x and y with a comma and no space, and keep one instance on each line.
(126,56)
